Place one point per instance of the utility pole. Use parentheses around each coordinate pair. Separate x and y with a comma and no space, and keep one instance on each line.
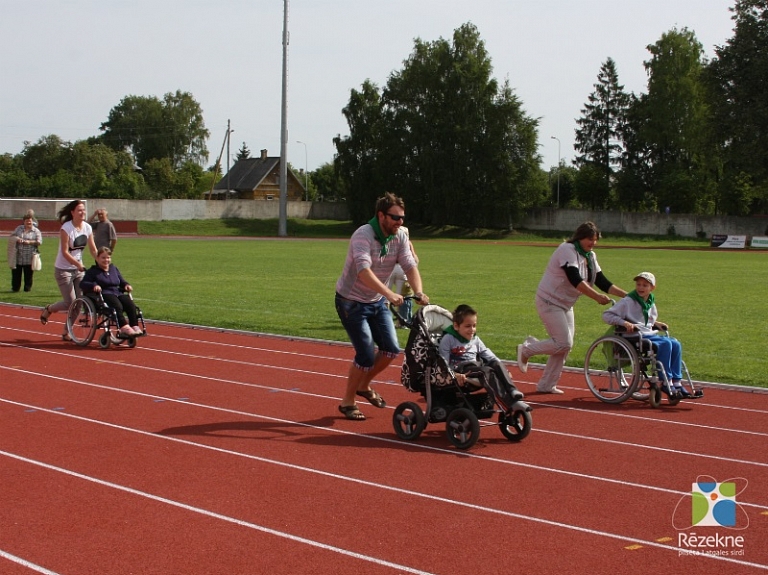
(229,135)
(282,227)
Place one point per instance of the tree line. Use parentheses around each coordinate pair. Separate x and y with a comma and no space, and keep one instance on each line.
(457,144)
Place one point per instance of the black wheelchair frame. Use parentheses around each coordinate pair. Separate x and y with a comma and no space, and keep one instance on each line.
(87,315)
(623,365)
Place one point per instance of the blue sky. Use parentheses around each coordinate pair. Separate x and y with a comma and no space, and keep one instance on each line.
(66,63)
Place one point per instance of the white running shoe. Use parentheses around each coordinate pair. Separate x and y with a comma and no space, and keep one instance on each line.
(522,363)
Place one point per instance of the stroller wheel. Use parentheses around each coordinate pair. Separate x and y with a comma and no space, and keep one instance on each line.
(408,421)
(515,426)
(462,428)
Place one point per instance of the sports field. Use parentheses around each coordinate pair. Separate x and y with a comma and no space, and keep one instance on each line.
(714,301)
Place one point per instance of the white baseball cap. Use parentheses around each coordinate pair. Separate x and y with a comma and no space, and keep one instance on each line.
(647,276)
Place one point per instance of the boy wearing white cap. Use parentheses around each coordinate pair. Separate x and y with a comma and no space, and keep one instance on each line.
(637,312)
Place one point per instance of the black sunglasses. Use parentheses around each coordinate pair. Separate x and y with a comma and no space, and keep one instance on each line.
(395,217)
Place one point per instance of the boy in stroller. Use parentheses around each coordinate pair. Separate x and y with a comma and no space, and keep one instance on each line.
(474,364)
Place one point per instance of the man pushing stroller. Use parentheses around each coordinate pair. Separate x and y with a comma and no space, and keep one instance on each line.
(472,361)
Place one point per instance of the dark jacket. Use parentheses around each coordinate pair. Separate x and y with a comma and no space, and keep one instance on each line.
(111,281)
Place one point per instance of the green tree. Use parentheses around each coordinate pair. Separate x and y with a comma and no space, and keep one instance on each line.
(445,136)
(243,153)
(567,178)
(165,182)
(54,168)
(601,127)
(49,155)
(356,160)
(14,181)
(325,184)
(736,77)
(676,118)
(153,129)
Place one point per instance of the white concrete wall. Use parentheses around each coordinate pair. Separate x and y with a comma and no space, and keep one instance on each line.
(646,223)
(542,219)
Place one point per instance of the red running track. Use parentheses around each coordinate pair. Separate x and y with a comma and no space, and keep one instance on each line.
(210,452)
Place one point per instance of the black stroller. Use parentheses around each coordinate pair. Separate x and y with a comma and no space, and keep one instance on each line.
(424,371)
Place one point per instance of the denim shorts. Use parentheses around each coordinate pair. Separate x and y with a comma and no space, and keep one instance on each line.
(368,324)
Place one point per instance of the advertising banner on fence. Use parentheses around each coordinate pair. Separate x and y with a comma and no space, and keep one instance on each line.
(733,242)
(760,242)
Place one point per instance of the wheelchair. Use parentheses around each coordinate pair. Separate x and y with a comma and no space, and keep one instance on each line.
(87,315)
(622,365)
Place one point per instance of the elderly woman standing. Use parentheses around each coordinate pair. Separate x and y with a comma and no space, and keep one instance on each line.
(76,234)
(26,238)
(572,271)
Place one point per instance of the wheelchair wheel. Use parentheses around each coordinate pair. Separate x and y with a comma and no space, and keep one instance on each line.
(104,340)
(654,396)
(462,428)
(515,426)
(612,370)
(408,421)
(82,321)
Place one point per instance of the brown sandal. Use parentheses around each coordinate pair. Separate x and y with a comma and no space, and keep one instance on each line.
(45,315)
(352,412)
(373,398)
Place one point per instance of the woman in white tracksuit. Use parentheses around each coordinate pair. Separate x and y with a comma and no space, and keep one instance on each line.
(572,271)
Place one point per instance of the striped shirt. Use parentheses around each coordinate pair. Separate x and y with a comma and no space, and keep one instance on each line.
(364,253)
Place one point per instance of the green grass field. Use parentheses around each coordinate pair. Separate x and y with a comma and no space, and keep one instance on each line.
(714,301)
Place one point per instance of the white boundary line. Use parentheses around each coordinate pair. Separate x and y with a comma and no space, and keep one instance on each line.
(408,492)
(25,563)
(214,515)
(338,376)
(725,386)
(467,454)
(283,368)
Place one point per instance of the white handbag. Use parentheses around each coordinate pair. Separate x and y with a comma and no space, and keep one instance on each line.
(37,262)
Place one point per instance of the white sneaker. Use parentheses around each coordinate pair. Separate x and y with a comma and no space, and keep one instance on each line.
(522,363)
(554,390)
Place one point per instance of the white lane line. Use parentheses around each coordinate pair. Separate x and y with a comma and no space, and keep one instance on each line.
(642,486)
(25,563)
(653,448)
(571,371)
(398,490)
(650,420)
(214,515)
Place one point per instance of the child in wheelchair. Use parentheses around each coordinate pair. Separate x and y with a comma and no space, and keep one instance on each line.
(474,364)
(103,278)
(637,314)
